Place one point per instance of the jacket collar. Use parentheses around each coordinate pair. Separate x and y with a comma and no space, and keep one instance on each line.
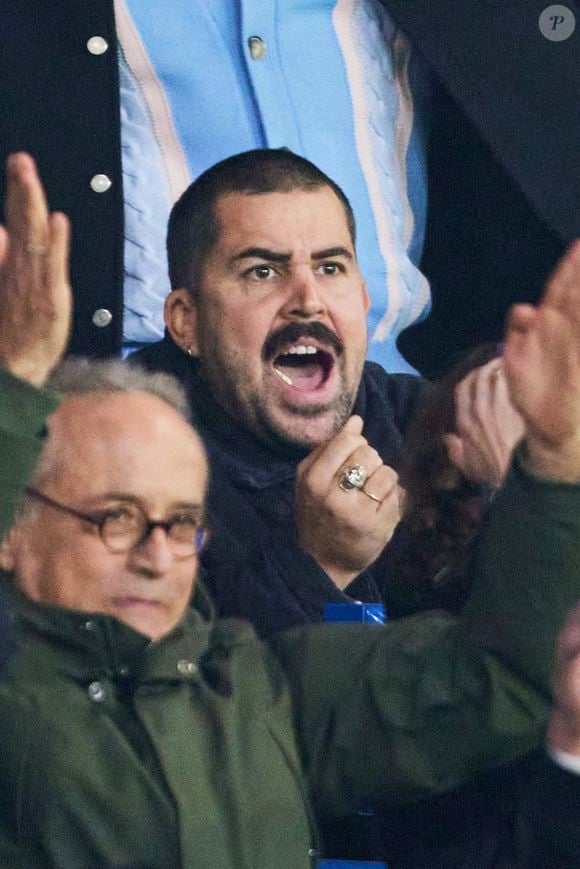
(90,646)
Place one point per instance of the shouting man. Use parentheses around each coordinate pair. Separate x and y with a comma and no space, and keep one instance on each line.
(135,731)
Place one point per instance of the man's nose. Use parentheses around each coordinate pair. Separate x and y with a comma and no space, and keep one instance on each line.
(305,297)
(153,556)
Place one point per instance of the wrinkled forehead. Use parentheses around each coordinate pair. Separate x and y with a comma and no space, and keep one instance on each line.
(255,214)
(125,441)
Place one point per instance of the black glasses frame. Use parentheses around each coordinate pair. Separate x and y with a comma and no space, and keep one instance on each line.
(199,540)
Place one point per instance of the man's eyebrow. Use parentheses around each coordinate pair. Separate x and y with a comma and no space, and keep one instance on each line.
(261,253)
(275,256)
(332,251)
(127,497)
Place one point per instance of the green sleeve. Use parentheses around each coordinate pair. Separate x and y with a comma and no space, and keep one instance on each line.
(23,413)
(526,574)
(421,705)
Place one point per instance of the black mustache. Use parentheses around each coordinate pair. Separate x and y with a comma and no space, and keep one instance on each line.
(293,331)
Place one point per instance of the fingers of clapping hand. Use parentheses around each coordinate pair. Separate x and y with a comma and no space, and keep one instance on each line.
(36,239)
(57,262)
(542,362)
(35,294)
(26,208)
(488,426)
(478,394)
(563,288)
(556,319)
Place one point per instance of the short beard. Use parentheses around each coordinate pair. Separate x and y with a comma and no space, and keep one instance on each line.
(268,430)
(259,420)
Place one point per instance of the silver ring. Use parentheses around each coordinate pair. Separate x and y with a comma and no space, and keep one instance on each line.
(39,249)
(353,477)
(370,495)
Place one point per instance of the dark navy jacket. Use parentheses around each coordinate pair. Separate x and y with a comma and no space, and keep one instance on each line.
(253,566)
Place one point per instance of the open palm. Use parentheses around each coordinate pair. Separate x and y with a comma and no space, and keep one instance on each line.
(35,295)
(542,357)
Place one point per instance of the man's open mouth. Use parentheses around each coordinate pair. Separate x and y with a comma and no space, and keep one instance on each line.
(305,366)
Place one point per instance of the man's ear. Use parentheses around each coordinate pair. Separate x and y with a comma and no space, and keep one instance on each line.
(7,558)
(180,312)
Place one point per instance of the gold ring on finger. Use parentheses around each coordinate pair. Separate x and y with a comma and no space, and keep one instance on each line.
(370,495)
(38,249)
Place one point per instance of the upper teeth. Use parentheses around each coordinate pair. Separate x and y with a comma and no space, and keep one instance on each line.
(301,349)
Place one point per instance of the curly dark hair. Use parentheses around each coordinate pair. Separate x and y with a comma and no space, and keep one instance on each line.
(443,509)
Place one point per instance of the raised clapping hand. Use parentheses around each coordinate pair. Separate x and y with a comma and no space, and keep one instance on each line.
(542,366)
(345,531)
(35,295)
(488,426)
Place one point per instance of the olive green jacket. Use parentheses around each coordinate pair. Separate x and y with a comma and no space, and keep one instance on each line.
(207,749)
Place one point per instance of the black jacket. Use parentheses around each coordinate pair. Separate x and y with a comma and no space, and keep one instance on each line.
(504,173)
(504,177)
(254,566)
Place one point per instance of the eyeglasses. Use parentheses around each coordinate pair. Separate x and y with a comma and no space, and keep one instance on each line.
(123,528)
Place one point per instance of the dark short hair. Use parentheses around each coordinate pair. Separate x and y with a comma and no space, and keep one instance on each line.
(193,228)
